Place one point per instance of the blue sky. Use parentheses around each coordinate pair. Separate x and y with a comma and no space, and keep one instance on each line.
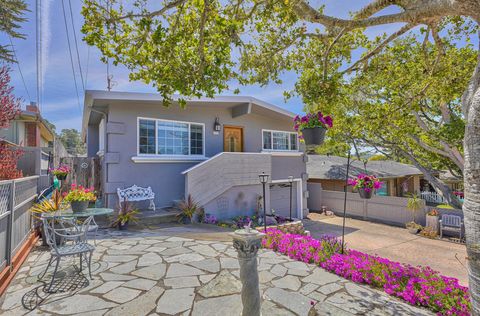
(60,104)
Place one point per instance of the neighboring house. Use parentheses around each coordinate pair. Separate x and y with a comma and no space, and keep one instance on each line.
(31,133)
(214,150)
(29,129)
(398,179)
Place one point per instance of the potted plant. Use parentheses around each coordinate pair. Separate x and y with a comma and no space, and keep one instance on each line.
(414,204)
(312,127)
(187,207)
(51,205)
(432,220)
(79,197)
(126,214)
(365,184)
(61,171)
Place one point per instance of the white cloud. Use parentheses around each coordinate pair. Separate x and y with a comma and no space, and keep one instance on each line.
(46,36)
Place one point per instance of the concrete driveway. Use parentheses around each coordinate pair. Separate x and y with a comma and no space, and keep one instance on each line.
(394,243)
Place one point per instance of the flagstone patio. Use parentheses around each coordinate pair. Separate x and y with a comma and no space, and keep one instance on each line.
(167,272)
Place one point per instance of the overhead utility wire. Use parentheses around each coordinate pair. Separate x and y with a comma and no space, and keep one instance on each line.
(19,68)
(76,44)
(71,57)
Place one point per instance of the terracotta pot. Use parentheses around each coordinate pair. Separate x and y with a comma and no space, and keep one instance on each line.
(365,194)
(79,206)
(314,136)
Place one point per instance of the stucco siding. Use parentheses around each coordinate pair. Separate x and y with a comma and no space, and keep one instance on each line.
(166,178)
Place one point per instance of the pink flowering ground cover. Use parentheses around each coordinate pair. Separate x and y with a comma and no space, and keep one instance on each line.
(420,286)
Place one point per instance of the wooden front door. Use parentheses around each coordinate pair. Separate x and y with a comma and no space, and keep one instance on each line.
(232,139)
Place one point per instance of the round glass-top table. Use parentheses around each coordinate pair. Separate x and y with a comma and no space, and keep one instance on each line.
(94,211)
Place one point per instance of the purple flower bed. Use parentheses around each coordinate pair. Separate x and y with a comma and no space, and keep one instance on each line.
(419,286)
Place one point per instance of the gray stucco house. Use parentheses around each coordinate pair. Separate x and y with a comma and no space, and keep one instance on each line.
(214,149)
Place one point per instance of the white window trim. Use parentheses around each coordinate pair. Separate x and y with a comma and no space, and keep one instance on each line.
(169,157)
(271,141)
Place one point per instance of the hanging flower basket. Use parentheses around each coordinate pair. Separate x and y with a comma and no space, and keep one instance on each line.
(365,193)
(314,136)
(61,171)
(313,127)
(366,185)
(61,176)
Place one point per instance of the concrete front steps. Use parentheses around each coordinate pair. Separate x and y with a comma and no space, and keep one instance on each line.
(159,216)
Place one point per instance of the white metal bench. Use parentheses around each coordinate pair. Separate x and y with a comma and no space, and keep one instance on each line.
(451,223)
(136,193)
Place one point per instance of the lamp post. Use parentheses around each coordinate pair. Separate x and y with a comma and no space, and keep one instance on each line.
(345,201)
(264,179)
(349,162)
(290,180)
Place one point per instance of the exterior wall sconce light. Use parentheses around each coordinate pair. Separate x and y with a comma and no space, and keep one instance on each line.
(217,127)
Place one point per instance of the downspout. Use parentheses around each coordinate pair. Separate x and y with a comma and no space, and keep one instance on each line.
(105,117)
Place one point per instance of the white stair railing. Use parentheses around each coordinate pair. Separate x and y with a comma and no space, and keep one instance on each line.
(209,179)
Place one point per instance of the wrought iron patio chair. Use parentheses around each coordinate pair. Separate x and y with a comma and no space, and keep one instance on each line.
(66,237)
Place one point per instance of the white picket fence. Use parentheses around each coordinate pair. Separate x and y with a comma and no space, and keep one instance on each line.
(432,197)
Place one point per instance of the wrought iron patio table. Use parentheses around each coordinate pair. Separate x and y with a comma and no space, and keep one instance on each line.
(94,211)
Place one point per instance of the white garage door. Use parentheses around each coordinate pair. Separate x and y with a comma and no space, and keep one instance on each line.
(280,199)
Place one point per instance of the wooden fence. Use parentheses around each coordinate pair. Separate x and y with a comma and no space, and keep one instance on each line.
(85,172)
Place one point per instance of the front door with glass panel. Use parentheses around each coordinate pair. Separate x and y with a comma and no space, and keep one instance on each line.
(232,139)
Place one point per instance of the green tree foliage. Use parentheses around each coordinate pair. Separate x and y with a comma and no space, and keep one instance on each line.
(72,141)
(11,16)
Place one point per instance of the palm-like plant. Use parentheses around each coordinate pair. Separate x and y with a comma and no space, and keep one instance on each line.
(187,207)
(414,204)
(126,213)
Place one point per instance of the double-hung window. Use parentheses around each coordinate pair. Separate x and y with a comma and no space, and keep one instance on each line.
(280,141)
(170,138)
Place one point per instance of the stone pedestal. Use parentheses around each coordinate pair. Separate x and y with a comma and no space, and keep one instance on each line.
(246,242)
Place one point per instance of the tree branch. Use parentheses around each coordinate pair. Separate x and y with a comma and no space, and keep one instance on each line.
(380,46)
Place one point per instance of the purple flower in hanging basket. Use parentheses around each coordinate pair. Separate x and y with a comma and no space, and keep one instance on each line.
(312,120)
(366,182)
(329,121)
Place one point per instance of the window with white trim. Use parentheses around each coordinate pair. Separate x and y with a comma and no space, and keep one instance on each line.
(170,138)
(281,141)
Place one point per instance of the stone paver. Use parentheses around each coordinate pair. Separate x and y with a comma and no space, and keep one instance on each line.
(122,294)
(175,301)
(163,272)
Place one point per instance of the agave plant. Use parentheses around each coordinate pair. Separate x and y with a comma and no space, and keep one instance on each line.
(48,205)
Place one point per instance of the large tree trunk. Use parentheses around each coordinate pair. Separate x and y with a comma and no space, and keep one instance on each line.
(445,191)
(471,205)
